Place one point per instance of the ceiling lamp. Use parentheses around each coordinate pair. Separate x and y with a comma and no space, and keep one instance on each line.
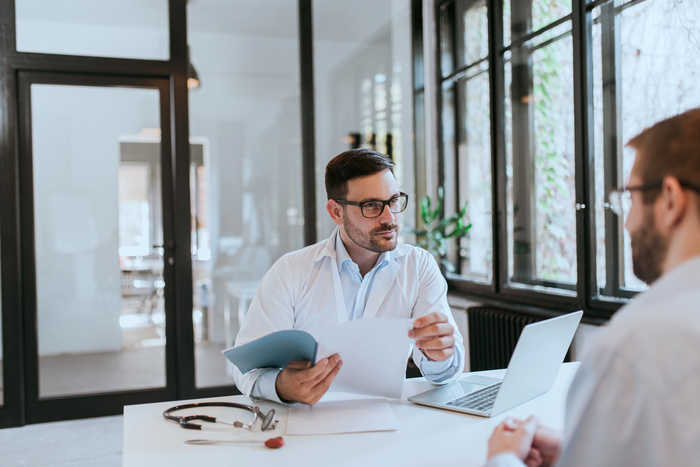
(192,75)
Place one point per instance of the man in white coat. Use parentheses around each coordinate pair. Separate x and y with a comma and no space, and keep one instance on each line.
(635,400)
(361,272)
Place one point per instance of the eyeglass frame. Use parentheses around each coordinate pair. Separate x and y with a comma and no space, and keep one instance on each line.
(385,203)
(615,197)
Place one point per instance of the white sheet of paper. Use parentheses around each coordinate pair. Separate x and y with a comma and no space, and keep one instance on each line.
(341,416)
(374,354)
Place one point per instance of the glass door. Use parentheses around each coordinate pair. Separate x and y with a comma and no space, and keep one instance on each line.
(94,157)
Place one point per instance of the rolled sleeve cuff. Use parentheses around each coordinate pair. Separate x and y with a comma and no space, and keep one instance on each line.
(264,387)
(435,372)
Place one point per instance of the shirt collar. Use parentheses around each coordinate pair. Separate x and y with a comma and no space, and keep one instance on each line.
(341,253)
(676,282)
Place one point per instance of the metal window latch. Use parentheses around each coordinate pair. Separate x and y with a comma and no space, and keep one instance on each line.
(580,206)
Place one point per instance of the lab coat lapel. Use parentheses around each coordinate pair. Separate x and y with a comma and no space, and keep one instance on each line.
(383,281)
(328,256)
(341,313)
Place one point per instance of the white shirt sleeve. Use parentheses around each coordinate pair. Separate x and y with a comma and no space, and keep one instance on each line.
(505,460)
(634,401)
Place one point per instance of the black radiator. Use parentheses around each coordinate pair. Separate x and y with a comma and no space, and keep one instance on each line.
(493,334)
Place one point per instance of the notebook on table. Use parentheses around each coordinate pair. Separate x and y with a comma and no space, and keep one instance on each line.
(532,369)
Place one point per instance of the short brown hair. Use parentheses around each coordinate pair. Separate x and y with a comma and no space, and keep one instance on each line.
(352,164)
(670,147)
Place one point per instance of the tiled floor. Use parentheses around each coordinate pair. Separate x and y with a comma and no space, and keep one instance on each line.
(94,442)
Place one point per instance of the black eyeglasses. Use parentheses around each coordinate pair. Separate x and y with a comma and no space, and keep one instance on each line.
(620,200)
(375,208)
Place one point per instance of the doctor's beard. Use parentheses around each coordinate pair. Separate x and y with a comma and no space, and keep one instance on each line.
(371,241)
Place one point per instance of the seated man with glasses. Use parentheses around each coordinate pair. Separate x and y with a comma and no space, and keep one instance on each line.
(362,271)
(635,399)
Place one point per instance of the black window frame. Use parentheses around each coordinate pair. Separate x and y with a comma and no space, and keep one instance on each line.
(599,304)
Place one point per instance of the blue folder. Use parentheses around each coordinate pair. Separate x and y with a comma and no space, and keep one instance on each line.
(275,350)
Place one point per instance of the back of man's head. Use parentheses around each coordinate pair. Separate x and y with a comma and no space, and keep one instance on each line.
(352,164)
(670,147)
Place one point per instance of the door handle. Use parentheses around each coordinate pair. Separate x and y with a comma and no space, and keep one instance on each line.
(169,247)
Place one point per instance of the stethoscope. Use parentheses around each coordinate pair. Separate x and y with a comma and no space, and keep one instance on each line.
(266,420)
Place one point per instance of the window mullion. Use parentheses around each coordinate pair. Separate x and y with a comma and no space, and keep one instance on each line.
(498,165)
(523,152)
(612,147)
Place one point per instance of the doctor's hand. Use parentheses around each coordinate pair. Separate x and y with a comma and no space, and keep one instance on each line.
(307,383)
(434,336)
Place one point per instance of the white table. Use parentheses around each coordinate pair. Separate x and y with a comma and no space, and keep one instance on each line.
(426,437)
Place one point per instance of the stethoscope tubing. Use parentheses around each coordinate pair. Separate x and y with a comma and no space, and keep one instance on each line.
(186,421)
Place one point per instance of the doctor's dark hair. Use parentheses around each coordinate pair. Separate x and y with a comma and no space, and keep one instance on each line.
(352,164)
(670,147)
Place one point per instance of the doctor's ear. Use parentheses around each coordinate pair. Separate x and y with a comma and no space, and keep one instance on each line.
(675,202)
(335,210)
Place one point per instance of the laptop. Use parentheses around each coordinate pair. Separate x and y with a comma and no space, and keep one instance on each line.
(532,369)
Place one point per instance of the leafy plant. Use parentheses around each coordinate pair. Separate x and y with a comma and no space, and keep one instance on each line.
(438,230)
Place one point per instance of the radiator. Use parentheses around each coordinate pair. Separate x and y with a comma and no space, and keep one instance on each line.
(493,334)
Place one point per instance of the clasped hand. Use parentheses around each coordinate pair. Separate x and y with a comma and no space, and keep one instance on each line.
(434,336)
(536,445)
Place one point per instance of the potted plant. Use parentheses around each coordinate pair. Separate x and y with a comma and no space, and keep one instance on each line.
(438,230)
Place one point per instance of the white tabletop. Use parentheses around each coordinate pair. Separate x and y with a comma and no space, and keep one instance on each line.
(426,437)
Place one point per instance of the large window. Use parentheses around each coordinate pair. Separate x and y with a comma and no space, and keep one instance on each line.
(651,50)
(467,135)
(537,100)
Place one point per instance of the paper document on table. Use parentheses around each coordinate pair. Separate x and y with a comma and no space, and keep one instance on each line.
(341,416)
(374,354)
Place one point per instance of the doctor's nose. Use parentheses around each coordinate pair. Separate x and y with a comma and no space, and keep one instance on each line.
(387,216)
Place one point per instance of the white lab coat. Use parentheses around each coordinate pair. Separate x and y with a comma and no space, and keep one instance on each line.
(302,291)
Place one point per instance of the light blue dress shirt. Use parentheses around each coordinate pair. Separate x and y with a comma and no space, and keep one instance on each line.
(356,289)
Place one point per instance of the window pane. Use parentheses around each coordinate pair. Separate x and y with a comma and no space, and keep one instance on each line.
(363,89)
(473,33)
(475,186)
(522,17)
(100,314)
(124,29)
(245,163)
(540,161)
(656,42)
(446,40)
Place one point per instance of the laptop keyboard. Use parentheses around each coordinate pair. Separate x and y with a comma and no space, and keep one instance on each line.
(481,400)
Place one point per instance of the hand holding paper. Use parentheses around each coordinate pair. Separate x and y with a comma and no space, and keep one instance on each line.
(373,353)
(434,336)
(307,383)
